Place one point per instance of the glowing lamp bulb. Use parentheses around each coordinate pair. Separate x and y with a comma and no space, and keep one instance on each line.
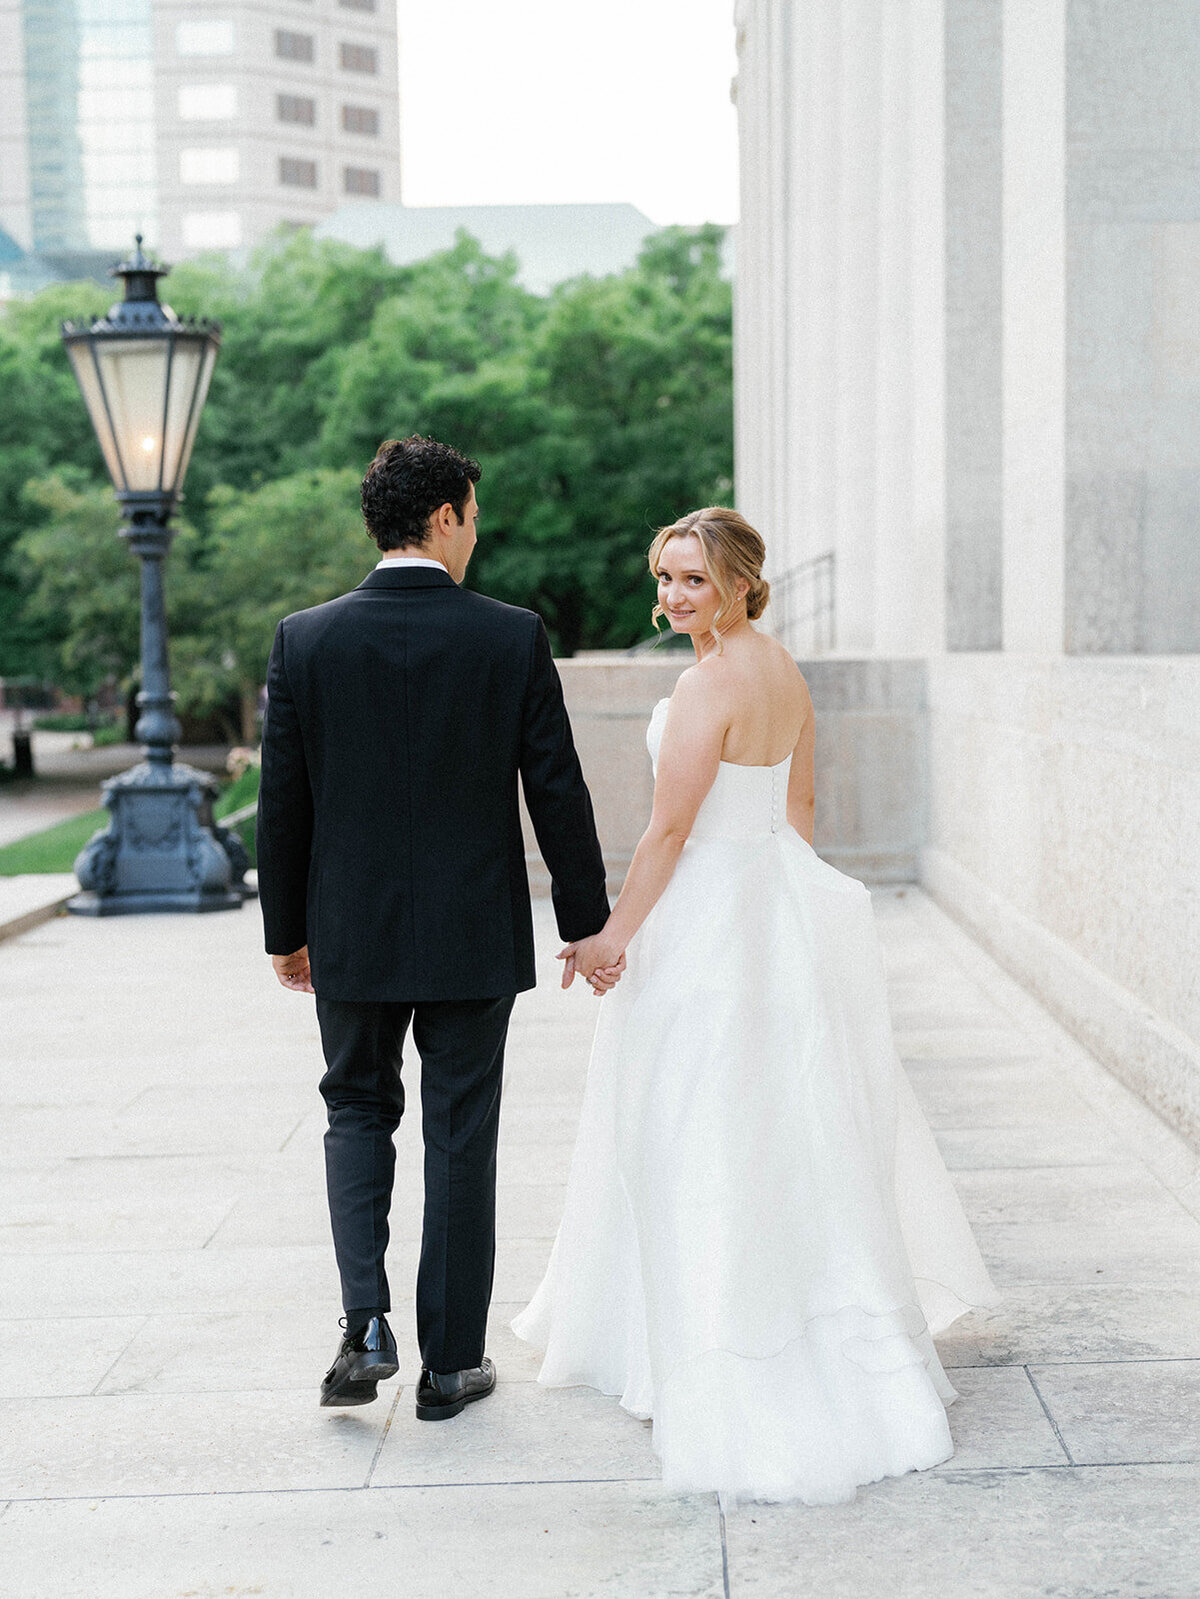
(149,444)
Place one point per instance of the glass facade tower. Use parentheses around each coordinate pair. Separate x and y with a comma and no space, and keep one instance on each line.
(55,162)
(201,124)
(116,121)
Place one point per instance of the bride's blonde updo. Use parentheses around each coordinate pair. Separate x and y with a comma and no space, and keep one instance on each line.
(732,550)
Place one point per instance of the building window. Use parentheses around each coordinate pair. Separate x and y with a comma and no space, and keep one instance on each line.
(204,38)
(357,58)
(211,230)
(358,5)
(299,174)
(209,166)
(360,119)
(296,108)
(294,46)
(361,180)
(207,102)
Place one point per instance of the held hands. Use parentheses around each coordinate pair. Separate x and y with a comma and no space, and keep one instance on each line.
(597,959)
(293,971)
(600,963)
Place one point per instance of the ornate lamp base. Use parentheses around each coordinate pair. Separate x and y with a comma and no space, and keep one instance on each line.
(162,850)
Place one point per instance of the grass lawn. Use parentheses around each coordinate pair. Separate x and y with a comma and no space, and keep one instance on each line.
(55,848)
(52,850)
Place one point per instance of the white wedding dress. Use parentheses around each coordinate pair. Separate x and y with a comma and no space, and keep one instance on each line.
(759,1236)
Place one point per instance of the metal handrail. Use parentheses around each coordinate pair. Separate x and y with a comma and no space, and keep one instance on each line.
(804,599)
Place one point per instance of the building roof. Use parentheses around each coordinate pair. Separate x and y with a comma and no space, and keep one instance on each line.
(551,242)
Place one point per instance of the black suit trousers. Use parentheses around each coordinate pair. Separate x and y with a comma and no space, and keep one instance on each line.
(461,1045)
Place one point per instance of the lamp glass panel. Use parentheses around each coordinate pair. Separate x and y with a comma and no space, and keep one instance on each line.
(80,353)
(185,374)
(201,357)
(134,375)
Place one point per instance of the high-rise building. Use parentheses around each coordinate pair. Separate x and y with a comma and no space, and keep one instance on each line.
(202,124)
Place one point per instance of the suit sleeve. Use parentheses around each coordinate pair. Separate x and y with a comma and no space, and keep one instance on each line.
(558,801)
(284,827)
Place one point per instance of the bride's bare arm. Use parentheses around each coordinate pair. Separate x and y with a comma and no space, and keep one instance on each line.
(800,794)
(693,737)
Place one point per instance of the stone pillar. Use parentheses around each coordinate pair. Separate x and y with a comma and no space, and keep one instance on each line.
(1034,303)
(1132,400)
(852,402)
(974,395)
(927,398)
(760,285)
(839,261)
(894,587)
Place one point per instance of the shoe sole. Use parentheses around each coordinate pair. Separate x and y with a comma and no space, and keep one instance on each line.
(351,1393)
(358,1386)
(444,1412)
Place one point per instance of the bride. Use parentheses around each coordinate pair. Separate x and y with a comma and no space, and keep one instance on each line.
(760,1237)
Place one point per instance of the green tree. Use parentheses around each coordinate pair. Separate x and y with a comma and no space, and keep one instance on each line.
(42,425)
(284,547)
(285,320)
(81,583)
(598,413)
(641,363)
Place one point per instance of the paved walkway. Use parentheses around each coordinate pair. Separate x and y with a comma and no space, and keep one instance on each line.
(168,1303)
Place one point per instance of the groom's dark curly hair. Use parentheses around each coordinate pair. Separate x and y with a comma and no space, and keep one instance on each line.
(409,480)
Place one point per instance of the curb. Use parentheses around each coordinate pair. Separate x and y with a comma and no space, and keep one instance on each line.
(35,916)
(33,898)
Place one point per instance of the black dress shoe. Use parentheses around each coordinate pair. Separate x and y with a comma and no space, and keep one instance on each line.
(441,1395)
(361,1362)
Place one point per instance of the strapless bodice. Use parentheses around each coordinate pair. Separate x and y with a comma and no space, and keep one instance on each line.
(744,801)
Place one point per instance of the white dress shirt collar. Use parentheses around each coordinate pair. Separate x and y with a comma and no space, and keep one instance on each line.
(409,560)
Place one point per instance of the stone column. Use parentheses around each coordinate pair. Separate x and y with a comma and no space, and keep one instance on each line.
(928,399)
(853,399)
(1034,302)
(839,257)
(892,624)
(1132,398)
(752,290)
(972,327)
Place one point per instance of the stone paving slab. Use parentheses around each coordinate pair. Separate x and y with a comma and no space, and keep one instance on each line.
(1050,1533)
(586,1540)
(162,1222)
(1124,1412)
(1094,1321)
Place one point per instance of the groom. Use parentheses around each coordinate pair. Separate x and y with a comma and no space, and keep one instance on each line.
(391,873)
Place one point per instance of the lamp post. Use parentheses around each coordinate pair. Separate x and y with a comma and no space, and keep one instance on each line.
(144,375)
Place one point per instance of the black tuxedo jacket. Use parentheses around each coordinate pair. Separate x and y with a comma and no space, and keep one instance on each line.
(389,839)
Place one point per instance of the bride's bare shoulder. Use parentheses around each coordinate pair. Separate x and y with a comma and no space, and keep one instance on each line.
(699,683)
(707,689)
(711,678)
(785,663)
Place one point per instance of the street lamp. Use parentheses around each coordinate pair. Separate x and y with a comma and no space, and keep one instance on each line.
(144,375)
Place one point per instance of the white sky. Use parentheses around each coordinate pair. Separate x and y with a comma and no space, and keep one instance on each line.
(509,102)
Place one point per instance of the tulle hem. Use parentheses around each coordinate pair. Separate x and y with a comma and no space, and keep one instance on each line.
(813,1420)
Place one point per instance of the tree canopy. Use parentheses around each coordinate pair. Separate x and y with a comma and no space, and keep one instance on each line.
(598,412)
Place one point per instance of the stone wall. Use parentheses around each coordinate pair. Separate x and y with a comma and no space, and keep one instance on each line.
(1062,832)
(870,770)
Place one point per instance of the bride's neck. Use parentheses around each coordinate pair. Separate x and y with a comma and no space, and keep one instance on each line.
(707,644)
